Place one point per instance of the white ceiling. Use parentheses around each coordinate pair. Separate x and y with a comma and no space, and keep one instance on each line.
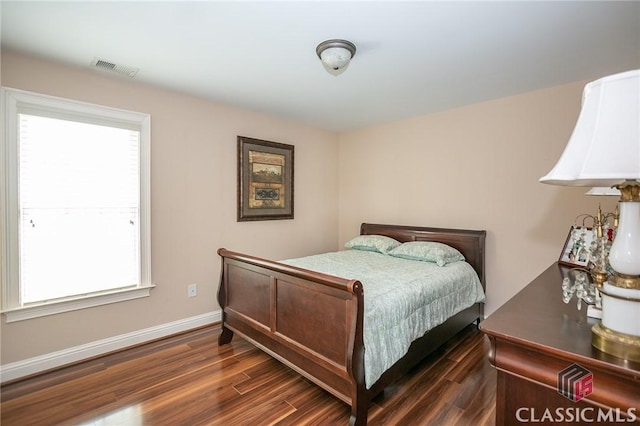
(412,58)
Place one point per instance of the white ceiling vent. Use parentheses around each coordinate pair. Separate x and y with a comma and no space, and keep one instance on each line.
(105,65)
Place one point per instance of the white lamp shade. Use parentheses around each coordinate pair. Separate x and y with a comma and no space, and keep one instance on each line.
(604,149)
(603,190)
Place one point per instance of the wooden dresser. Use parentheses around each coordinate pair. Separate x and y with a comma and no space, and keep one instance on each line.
(534,337)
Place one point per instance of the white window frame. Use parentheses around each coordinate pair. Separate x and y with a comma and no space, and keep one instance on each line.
(11,101)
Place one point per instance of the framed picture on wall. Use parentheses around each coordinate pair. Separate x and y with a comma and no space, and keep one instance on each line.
(577,247)
(265,180)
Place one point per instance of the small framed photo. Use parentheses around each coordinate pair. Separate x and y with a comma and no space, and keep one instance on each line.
(265,180)
(577,247)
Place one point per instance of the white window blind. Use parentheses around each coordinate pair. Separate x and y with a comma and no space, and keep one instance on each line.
(79,208)
(75,211)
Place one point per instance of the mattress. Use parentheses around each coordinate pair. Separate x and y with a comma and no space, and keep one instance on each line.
(403,299)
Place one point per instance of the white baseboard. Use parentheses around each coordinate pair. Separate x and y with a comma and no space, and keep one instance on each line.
(15,370)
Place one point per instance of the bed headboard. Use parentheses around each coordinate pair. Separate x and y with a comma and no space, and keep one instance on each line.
(469,243)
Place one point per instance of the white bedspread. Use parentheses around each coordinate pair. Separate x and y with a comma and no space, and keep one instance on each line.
(403,299)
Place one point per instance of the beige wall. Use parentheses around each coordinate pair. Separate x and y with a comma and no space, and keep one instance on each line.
(193,202)
(475,167)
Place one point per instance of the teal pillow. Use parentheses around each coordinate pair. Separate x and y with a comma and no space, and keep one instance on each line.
(427,251)
(378,243)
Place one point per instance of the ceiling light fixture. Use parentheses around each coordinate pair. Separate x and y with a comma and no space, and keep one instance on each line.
(335,55)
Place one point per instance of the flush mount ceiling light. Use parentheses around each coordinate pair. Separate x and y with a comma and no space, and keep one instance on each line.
(335,55)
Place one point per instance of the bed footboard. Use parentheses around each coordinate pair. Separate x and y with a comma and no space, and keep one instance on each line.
(310,321)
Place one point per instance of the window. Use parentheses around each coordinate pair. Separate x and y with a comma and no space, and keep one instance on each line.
(75,205)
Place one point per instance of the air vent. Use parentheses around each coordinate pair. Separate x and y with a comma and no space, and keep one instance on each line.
(104,65)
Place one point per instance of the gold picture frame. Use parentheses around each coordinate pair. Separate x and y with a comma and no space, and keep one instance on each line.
(265,180)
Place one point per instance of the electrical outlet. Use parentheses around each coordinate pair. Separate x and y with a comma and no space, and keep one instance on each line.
(192,290)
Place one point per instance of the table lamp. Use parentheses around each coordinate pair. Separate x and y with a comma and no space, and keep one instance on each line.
(604,151)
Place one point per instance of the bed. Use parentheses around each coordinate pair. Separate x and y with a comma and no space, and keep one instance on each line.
(314,322)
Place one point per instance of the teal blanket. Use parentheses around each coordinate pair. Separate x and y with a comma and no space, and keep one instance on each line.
(403,299)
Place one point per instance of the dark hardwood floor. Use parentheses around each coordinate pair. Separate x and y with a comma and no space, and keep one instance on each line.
(189,380)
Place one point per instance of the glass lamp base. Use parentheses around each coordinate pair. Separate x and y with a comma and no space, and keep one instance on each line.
(618,333)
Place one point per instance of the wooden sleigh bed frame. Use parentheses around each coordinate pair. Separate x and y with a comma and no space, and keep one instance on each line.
(313,322)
